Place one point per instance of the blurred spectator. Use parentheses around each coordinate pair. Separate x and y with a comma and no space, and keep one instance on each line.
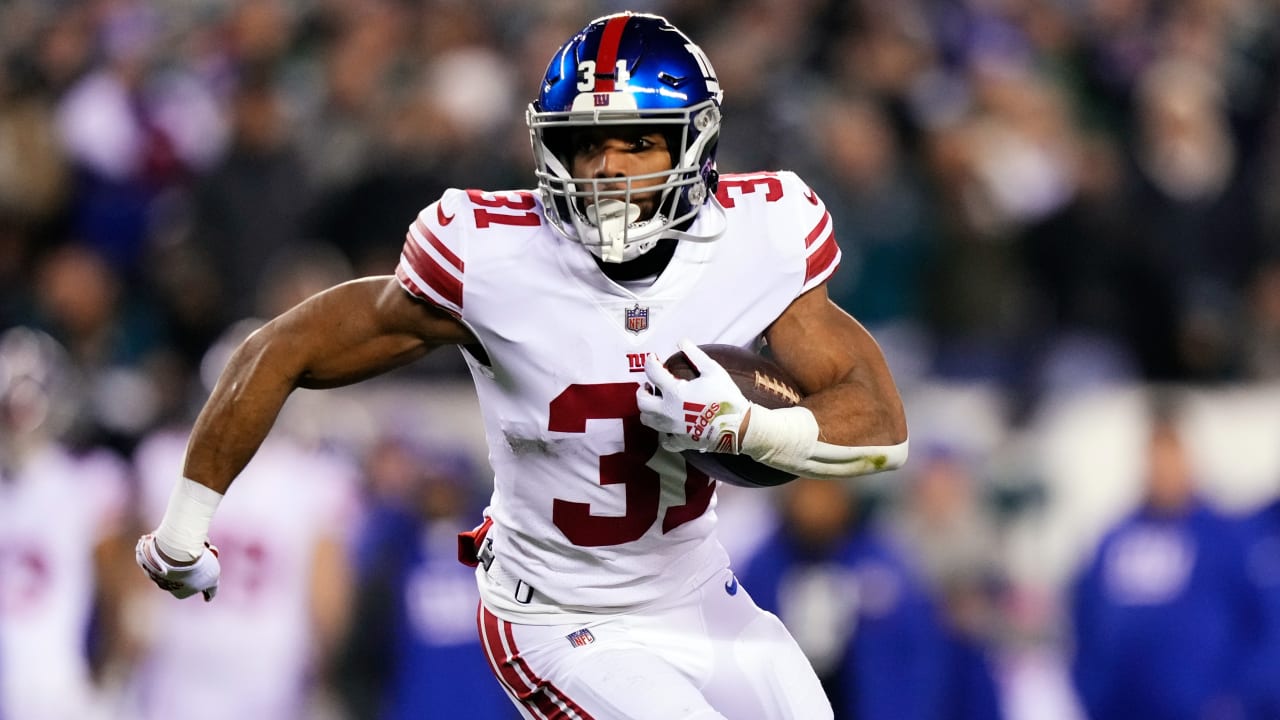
(35,176)
(1262,337)
(1199,242)
(1162,612)
(116,342)
(249,207)
(64,560)
(357,53)
(1001,161)
(950,536)
(854,604)
(883,217)
(1083,264)
(35,179)
(441,128)
(413,644)
(134,129)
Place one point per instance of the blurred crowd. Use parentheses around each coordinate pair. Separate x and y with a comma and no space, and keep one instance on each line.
(1042,199)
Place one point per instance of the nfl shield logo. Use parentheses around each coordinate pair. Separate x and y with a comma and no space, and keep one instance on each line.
(637,319)
(580,638)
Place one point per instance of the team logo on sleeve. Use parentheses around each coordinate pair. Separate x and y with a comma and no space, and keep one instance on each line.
(637,319)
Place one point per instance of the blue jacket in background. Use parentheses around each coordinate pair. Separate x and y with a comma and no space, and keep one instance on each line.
(1262,565)
(1161,619)
(887,658)
(416,623)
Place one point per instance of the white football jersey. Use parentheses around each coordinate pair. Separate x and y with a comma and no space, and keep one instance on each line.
(587,509)
(53,514)
(256,635)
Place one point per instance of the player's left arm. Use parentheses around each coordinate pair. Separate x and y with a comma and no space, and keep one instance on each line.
(841,370)
(851,421)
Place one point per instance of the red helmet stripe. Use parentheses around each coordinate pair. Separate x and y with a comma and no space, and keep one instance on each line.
(607,54)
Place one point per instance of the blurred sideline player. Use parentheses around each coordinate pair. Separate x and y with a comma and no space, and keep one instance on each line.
(858,608)
(62,577)
(605,592)
(284,602)
(1163,613)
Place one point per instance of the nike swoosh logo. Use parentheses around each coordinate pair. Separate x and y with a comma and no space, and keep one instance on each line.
(731,587)
(441,217)
(808,195)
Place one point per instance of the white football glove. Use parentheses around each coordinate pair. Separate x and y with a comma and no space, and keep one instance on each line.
(182,581)
(703,414)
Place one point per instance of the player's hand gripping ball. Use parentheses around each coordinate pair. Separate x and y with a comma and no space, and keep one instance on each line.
(698,399)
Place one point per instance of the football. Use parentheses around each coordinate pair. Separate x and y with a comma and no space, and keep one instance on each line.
(762,382)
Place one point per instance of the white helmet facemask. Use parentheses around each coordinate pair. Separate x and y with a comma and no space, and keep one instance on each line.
(602,213)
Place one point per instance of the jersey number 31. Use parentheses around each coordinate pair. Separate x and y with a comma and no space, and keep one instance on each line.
(570,412)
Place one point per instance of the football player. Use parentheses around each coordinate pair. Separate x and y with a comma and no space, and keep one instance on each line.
(64,593)
(283,603)
(604,591)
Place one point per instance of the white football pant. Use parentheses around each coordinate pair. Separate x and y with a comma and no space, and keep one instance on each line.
(714,654)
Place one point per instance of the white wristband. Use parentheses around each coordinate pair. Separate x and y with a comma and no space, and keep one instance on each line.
(787,439)
(185,526)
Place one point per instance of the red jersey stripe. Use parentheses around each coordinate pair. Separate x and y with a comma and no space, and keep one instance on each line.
(409,283)
(440,247)
(436,276)
(818,229)
(821,259)
(607,53)
(413,286)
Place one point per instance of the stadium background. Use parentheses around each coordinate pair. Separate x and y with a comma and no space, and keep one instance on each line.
(1056,215)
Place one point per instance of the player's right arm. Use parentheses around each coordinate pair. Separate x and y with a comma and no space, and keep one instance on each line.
(345,334)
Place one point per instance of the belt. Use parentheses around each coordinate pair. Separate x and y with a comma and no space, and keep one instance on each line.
(476,548)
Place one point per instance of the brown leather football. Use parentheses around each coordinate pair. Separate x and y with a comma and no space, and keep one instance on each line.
(762,382)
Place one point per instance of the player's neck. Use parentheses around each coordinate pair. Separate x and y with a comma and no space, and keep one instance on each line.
(648,265)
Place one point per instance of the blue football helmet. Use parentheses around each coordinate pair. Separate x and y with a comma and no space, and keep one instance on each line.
(626,69)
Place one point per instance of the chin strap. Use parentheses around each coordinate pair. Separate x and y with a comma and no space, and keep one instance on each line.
(714,222)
